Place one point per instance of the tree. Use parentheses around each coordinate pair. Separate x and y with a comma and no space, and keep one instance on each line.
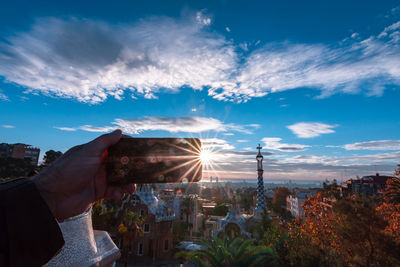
(50,156)
(331,190)
(228,253)
(350,229)
(188,204)
(392,192)
(280,194)
(220,210)
(15,168)
(129,229)
(318,221)
(390,208)
(361,239)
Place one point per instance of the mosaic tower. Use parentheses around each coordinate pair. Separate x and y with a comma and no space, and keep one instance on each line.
(261,205)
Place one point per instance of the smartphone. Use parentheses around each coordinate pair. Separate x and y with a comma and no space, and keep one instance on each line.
(154,160)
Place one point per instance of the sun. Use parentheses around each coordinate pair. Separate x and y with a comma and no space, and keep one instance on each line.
(206,156)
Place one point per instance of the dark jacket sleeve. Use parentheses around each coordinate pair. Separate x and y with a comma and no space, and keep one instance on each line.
(29,234)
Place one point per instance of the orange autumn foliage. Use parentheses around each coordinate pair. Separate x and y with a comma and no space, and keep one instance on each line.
(318,222)
(391,214)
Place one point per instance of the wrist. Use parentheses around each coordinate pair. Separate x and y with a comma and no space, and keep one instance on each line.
(45,189)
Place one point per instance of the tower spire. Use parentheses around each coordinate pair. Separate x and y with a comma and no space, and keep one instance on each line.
(261,206)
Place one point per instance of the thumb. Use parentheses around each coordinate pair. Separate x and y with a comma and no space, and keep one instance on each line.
(101,143)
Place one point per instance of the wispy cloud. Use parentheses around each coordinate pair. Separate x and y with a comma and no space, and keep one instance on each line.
(374,145)
(173,125)
(308,167)
(274,143)
(68,129)
(7,126)
(353,66)
(215,144)
(3,96)
(311,129)
(91,60)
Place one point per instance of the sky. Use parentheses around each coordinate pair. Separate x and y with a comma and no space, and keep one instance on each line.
(316,83)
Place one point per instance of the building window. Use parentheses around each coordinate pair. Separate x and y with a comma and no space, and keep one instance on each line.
(146,228)
(142,213)
(166,244)
(140,249)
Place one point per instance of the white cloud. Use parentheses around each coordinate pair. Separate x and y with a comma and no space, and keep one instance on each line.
(3,96)
(311,129)
(374,145)
(357,65)
(215,144)
(244,46)
(227,29)
(274,143)
(68,129)
(202,19)
(7,126)
(91,60)
(242,141)
(306,167)
(172,125)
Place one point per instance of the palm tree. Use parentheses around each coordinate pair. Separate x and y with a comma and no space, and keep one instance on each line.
(129,228)
(228,253)
(188,204)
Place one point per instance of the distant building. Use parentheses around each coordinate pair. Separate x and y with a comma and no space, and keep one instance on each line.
(295,201)
(20,151)
(368,185)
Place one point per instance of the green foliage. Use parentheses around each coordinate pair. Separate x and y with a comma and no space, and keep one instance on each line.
(224,252)
(220,210)
(103,219)
(331,190)
(360,235)
(280,194)
(180,230)
(299,251)
(50,156)
(15,168)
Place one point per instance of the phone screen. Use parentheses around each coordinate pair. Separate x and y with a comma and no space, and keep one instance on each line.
(154,160)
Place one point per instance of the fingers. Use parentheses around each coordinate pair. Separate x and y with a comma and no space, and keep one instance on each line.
(72,150)
(117,192)
(101,143)
(129,189)
(114,192)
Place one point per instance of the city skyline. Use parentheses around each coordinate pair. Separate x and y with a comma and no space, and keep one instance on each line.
(317,85)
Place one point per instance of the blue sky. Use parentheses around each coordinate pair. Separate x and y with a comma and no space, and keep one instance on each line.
(316,83)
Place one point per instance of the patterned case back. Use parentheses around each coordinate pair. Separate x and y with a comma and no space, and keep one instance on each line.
(154,160)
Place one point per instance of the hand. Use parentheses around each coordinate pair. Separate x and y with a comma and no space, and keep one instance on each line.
(76,180)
